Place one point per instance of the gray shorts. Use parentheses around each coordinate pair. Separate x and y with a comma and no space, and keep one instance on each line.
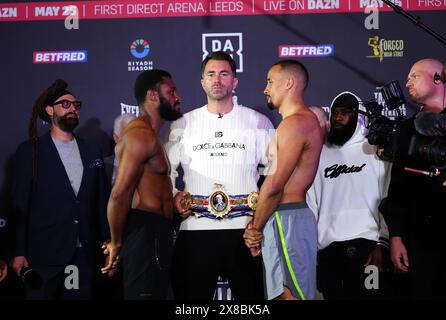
(289,251)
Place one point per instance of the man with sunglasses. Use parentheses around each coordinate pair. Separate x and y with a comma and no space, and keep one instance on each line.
(59,198)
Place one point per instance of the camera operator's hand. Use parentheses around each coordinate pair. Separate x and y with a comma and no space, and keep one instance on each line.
(398,254)
(18,263)
(444,183)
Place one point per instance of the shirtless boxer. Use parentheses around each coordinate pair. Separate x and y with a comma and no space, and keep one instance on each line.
(140,207)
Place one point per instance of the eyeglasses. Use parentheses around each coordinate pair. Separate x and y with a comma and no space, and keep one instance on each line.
(66,104)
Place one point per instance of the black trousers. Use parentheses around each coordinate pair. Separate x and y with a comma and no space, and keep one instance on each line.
(427,276)
(146,256)
(58,285)
(201,256)
(340,272)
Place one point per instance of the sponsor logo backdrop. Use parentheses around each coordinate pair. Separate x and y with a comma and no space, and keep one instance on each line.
(116,40)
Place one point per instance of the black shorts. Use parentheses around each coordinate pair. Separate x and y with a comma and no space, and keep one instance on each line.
(201,256)
(146,256)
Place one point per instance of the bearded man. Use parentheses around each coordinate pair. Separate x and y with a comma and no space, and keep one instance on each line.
(59,198)
(350,183)
(140,208)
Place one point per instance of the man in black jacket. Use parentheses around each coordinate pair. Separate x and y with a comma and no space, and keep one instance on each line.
(415,208)
(59,199)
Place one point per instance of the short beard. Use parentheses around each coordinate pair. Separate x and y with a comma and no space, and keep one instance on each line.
(339,136)
(67,124)
(270,105)
(167,111)
(223,92)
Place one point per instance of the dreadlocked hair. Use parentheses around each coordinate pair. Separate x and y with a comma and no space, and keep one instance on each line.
(39,106)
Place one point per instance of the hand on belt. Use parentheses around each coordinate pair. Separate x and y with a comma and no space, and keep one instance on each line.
(220,205)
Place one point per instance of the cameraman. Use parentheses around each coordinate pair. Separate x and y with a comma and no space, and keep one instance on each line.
(415,210)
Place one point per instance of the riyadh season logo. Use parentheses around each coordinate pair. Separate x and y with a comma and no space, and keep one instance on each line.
(384,48)
(139,49)
(231,43)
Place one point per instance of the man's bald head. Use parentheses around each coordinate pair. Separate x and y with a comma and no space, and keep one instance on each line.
(431,64)
(423,88)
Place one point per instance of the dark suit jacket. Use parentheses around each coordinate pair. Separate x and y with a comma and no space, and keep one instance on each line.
(49,217)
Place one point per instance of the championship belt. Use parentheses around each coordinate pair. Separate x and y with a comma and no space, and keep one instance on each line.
(219,204)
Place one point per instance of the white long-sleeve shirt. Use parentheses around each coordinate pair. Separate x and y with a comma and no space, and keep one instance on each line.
(219,150)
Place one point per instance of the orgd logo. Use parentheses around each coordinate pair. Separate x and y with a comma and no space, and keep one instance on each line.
(139,49)
(60,56)
(302,51)
(383,48)
(231,43)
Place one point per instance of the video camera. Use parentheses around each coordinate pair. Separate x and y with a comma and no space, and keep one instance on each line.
(431,150)
(381,129)
(429,146)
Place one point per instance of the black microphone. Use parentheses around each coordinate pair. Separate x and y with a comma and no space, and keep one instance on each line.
(31,278)
(431,123)
(220,115)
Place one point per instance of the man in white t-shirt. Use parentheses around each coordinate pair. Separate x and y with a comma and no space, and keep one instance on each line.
(219,147)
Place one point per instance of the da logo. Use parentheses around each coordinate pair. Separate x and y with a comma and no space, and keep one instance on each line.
(231,43)
(384,48)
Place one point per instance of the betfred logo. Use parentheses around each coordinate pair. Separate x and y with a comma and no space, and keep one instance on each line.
(60,56)
(302,51)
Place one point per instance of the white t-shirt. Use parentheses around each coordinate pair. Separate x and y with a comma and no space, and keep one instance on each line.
(219,150)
